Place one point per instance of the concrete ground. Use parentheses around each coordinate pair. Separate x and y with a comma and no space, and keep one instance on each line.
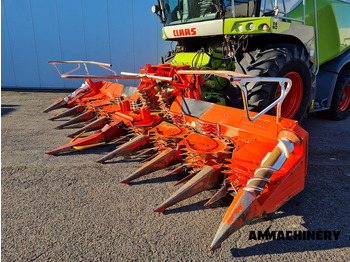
(71,208)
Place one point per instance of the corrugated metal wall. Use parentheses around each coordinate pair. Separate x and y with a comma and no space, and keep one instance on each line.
(124,33)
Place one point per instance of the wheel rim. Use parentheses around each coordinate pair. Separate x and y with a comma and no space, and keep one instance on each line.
(345,99)
(292,102)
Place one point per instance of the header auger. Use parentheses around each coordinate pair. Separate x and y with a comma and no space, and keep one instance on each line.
(258,159)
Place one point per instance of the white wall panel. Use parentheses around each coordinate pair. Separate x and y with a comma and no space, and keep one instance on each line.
(120,18)
(22,41)
(145,32)
(8,76)
(123,33)
(96,30)
(72,34)
(45,24)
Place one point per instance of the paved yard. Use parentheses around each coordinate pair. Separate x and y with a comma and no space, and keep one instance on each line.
(71,208)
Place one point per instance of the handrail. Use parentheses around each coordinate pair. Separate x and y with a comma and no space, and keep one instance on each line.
(241,81)
(146,75)
(80,62)
(85,63)
(316,38)
(284,17)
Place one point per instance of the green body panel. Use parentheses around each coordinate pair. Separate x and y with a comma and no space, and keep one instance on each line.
(188,58)
(201,59)
(333,25)
(232,25)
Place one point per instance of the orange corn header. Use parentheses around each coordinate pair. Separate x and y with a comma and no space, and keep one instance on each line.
(259,159)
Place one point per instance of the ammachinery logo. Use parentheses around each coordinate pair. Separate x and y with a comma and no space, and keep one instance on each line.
(185,32)
(294,235)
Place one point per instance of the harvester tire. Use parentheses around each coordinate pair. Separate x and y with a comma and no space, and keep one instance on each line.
(341,97)
(283,60)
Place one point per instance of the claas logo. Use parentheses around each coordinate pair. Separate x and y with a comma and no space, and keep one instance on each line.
(185,32)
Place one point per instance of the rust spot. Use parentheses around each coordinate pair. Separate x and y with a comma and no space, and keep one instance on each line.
(238,209)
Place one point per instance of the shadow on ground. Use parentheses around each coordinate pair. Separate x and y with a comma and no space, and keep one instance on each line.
(7,109)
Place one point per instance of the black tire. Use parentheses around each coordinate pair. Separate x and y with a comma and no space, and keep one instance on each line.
(339,108)
(278,61)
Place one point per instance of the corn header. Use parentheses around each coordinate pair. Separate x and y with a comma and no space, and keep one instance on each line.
(257,158)
(222,107)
